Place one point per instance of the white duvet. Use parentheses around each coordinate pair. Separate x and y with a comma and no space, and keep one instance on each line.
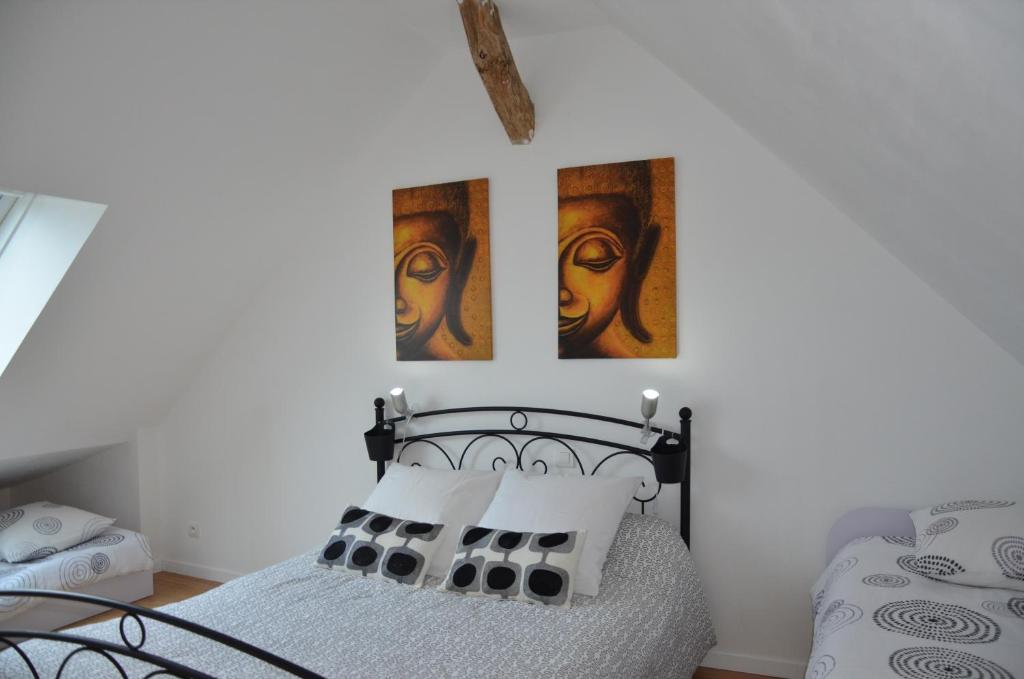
(115,551)
(875,617)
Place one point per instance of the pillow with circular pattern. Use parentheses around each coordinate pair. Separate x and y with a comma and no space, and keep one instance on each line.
(972,542)
(39,529)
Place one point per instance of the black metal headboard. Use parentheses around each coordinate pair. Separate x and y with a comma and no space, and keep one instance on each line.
(669,456)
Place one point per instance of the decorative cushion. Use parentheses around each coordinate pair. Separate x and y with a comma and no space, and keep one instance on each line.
(539,568)
(40,529)
(543,503)
(972,542)
(382,546)
(452,498)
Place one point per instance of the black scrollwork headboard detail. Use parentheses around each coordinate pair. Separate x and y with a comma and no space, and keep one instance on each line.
(671,464)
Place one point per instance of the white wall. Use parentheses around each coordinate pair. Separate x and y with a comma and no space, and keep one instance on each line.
(823,375)
(147,454)
(106,483)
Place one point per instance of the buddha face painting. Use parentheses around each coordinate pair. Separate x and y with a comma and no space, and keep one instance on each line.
(616,265)
(437,258)
(597,238)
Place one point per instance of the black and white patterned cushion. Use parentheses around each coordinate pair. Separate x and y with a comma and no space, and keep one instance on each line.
(538,568)
(972,542)
(378,545)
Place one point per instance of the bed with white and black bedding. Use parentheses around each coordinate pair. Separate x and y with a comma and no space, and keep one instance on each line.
(649,620)
(304,617)
(114,553)
(900,605)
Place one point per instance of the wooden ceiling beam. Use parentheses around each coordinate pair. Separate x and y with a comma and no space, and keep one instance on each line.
(493,60)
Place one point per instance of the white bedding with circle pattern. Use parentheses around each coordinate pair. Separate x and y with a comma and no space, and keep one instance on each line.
(875,617)
(649,621)
(114,552)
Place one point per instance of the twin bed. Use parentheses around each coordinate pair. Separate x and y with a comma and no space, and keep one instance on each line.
(117,564)
(649,618)
(879,613)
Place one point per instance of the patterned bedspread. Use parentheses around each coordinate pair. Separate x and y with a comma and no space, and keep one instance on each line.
(875,617)
(650,620)
(115,551)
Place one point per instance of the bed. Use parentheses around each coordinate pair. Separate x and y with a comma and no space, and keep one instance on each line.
(876,615)
(117,563)
(650,618)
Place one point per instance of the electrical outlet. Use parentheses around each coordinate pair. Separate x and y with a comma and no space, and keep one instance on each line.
(193,530)
(565,459)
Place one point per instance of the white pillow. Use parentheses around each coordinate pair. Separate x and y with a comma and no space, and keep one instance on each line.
(972,542)
(40,529)
(452,498)
(546,504)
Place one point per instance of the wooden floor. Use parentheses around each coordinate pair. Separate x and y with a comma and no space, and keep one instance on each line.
(708,673)
(169,588)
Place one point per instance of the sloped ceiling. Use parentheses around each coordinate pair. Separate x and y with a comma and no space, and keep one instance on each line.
(438,21)
(211,129)
(907,114)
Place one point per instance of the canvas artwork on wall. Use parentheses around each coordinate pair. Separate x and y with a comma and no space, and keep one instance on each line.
(442,272)
(617,260)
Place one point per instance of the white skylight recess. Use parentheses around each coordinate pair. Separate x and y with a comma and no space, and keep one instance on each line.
(40,236)
(7,227)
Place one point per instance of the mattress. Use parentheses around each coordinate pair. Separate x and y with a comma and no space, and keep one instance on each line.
(114,552)
(875,617)
(650,620)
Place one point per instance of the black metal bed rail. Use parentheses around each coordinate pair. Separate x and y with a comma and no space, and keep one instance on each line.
(112,651)
(543,435)
(530,409)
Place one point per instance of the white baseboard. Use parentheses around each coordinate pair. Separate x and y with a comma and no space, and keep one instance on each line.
(755,664)
(197,571)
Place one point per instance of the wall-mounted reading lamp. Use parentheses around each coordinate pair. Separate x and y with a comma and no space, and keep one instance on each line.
(666,453)
(399,403)
(402,407)
(648,408)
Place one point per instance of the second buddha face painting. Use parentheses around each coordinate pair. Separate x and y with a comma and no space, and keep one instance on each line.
(442,272)
(616,265)
(617,260)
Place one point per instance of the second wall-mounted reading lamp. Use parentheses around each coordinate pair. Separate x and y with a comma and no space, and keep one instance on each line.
(648,408)
(666,453)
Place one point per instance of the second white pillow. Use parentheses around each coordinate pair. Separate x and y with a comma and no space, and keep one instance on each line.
(452,498)
(542,503)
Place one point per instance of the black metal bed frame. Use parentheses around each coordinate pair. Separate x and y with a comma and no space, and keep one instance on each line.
(519,429)
(129,648)
(669,468)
